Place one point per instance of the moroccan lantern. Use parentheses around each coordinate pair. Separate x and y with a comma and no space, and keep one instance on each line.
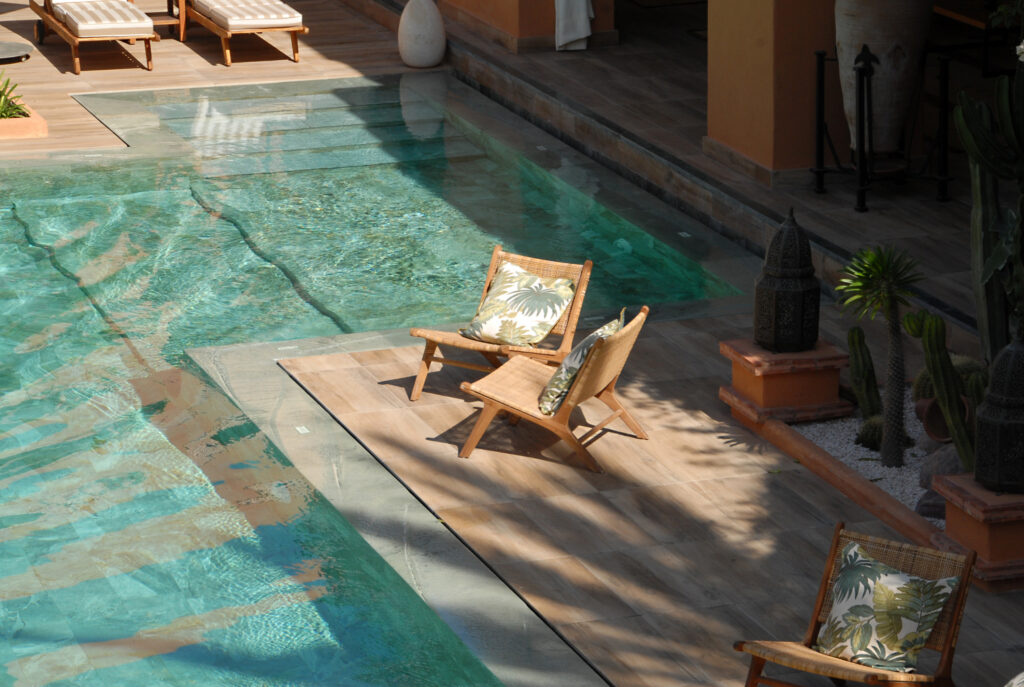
(786,294)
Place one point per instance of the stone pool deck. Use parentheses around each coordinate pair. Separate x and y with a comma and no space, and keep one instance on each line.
(702,535)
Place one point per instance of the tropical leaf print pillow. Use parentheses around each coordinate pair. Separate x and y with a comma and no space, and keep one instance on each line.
(557,387)
(521,308)
(880,617)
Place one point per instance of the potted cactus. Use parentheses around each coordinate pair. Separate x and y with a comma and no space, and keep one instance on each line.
(995,145)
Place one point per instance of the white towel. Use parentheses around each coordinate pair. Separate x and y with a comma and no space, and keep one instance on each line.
(572,24)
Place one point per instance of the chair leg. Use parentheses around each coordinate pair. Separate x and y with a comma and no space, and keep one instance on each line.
(487,414)
(421,374)
(149,55)
(607,396)
(225,47)
(754,674)
(76,63)
(581,452)
(295,46)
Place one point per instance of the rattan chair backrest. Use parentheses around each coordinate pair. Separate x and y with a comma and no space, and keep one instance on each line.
(605,361)
(916,560)
(579,274)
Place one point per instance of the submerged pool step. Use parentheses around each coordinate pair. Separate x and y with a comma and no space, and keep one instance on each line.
(415,115)
(237,142)
(452,147)
(342,98)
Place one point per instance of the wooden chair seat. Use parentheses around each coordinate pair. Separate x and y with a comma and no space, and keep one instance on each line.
(551,350)
(78,22)
(227,18)
(796,655)
(515,388)
(916,560)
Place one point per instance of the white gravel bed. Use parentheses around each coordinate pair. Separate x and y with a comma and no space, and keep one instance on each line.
(838,438)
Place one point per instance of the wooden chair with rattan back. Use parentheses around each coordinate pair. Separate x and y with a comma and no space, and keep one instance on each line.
(917,560)
(516,386)
(551,350)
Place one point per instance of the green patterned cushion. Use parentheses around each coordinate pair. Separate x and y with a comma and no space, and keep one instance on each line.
(558,386)
(521,308)
(880,617)
(1016,681)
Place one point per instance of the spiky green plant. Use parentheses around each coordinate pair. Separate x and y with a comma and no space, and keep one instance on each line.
(1009,14)
(878,280)
(10,103)
(994,142)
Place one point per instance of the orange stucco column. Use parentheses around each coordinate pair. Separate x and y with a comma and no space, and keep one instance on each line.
(761,78)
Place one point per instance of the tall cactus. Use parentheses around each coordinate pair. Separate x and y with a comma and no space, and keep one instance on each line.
(862,375)
(949,387)
(995,144)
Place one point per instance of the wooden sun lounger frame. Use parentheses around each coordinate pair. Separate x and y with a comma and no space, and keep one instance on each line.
(225,35)
(48,21)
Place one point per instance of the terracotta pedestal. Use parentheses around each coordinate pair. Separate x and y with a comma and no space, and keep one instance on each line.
(791,387)
(989,523)
(33,126)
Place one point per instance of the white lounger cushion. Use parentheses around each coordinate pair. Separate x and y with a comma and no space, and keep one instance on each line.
(241,15)
(102,18)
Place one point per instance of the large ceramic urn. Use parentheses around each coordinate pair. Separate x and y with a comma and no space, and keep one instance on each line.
(895,32)
(421,35)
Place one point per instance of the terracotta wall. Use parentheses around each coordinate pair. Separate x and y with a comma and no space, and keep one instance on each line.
(761,78)
(528,18)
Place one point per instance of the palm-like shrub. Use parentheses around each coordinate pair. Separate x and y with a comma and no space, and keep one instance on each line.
(10,104)
(878,280)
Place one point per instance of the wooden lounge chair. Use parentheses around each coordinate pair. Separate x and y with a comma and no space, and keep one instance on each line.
(553,349)
(84,21)
(516,386)
(227,18)
(916,560)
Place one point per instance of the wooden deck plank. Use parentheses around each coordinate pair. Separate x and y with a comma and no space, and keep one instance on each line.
(695,538)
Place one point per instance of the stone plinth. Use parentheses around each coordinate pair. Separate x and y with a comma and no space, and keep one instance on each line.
(791,387)
(989,523)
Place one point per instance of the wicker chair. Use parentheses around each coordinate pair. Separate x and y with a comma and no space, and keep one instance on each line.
(553,349)
(916,560)
(516,386)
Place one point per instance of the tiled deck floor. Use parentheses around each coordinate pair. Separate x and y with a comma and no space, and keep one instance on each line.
(653,569)
(700,536)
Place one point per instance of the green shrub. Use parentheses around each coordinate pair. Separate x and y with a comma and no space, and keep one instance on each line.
(10,103)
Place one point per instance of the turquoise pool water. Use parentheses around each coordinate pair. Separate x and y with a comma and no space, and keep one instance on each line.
(149,532)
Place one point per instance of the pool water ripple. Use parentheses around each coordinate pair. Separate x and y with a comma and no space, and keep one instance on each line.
(149,532)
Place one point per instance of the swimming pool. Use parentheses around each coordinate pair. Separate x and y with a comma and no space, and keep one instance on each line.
(150,533)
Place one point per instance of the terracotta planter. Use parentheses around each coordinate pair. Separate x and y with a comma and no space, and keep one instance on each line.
(990,523)
(929,412)
(33,126)
(895,32)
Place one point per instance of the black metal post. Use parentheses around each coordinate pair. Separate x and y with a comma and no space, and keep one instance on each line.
(862,161)
(943,133)
(819,122)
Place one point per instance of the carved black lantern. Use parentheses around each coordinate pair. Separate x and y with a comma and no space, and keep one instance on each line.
(999,443)
(786,295)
